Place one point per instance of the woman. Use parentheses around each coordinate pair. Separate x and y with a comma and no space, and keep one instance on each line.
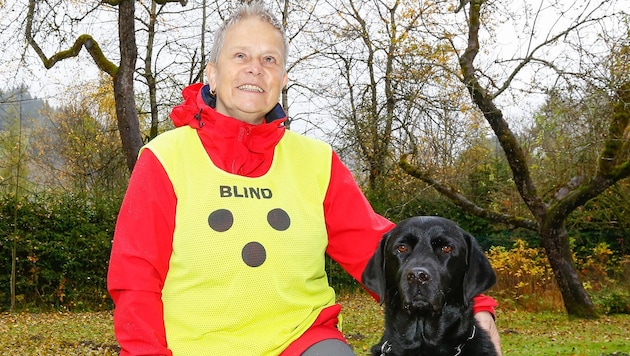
(220,242)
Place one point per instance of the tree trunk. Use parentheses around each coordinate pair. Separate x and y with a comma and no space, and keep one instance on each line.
(126,111)
(555,240)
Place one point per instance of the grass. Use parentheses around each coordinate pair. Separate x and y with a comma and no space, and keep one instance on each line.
(57,334)
(550,333)
(522,333)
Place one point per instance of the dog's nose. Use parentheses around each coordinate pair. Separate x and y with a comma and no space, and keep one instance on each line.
(418,275)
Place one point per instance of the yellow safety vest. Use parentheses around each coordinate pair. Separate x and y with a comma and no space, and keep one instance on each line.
(246,274)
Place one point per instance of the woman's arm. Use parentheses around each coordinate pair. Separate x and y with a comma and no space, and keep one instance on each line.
(140,257)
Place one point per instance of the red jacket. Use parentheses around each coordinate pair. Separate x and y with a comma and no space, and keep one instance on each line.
(144,230)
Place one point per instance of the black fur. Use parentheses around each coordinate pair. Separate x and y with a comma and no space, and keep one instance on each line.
(426,271)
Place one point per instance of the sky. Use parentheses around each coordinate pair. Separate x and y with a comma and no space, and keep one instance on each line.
(46,84)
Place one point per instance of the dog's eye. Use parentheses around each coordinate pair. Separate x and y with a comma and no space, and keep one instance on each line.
(447,249)
(402,248)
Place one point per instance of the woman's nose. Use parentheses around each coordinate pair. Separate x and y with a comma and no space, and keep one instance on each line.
(255,68)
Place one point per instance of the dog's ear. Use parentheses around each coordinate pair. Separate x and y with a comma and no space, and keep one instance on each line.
(373,277)
(479,275)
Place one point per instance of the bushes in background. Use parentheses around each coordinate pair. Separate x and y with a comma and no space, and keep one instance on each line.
(525,279)
(63,244)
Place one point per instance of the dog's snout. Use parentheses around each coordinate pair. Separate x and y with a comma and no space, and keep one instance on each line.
(418,275)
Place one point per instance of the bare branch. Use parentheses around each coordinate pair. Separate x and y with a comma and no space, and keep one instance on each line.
(494,116)
(82,41)
(159,2)
(461,201)
(531,56)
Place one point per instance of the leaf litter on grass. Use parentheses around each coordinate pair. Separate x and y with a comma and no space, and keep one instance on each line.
(522,333)
(57,333)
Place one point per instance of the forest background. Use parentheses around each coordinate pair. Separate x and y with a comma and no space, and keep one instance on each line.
(509,117)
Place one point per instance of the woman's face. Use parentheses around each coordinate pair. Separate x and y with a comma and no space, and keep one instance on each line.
(249,73)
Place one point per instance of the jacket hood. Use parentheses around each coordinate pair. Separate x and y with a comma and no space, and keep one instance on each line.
(233,145)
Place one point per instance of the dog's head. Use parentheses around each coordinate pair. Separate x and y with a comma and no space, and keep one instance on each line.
(426,262)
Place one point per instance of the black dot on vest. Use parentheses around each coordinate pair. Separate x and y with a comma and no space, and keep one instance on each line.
(221,220)
(278,219)
(254,254)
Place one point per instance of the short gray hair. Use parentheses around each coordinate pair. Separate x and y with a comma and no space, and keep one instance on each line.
(246,10)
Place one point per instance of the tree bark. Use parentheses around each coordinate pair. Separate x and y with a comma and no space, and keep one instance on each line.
(555,241)
(124,96)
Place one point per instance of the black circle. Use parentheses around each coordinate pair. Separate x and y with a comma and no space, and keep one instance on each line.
(254,254)
(278,219)
(221,220)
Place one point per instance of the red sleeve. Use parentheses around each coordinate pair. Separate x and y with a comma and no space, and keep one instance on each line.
(484,303)
(354,229)
(140,257)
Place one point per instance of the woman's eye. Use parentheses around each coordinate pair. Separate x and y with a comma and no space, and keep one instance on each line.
(447,249)
(402,248)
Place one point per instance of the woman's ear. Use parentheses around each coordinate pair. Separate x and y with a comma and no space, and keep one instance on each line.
(211,73)
(285,79)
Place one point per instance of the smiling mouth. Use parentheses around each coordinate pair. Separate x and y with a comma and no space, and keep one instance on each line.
(251,88)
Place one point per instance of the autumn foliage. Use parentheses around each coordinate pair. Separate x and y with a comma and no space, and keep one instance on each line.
(525,279)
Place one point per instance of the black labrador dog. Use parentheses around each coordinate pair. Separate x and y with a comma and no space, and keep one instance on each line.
(426,272)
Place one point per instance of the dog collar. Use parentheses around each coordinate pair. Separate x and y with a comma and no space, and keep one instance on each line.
(387,346)
(459,348)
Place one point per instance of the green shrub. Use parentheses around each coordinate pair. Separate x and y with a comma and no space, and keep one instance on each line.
(612,301)
(63,244)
